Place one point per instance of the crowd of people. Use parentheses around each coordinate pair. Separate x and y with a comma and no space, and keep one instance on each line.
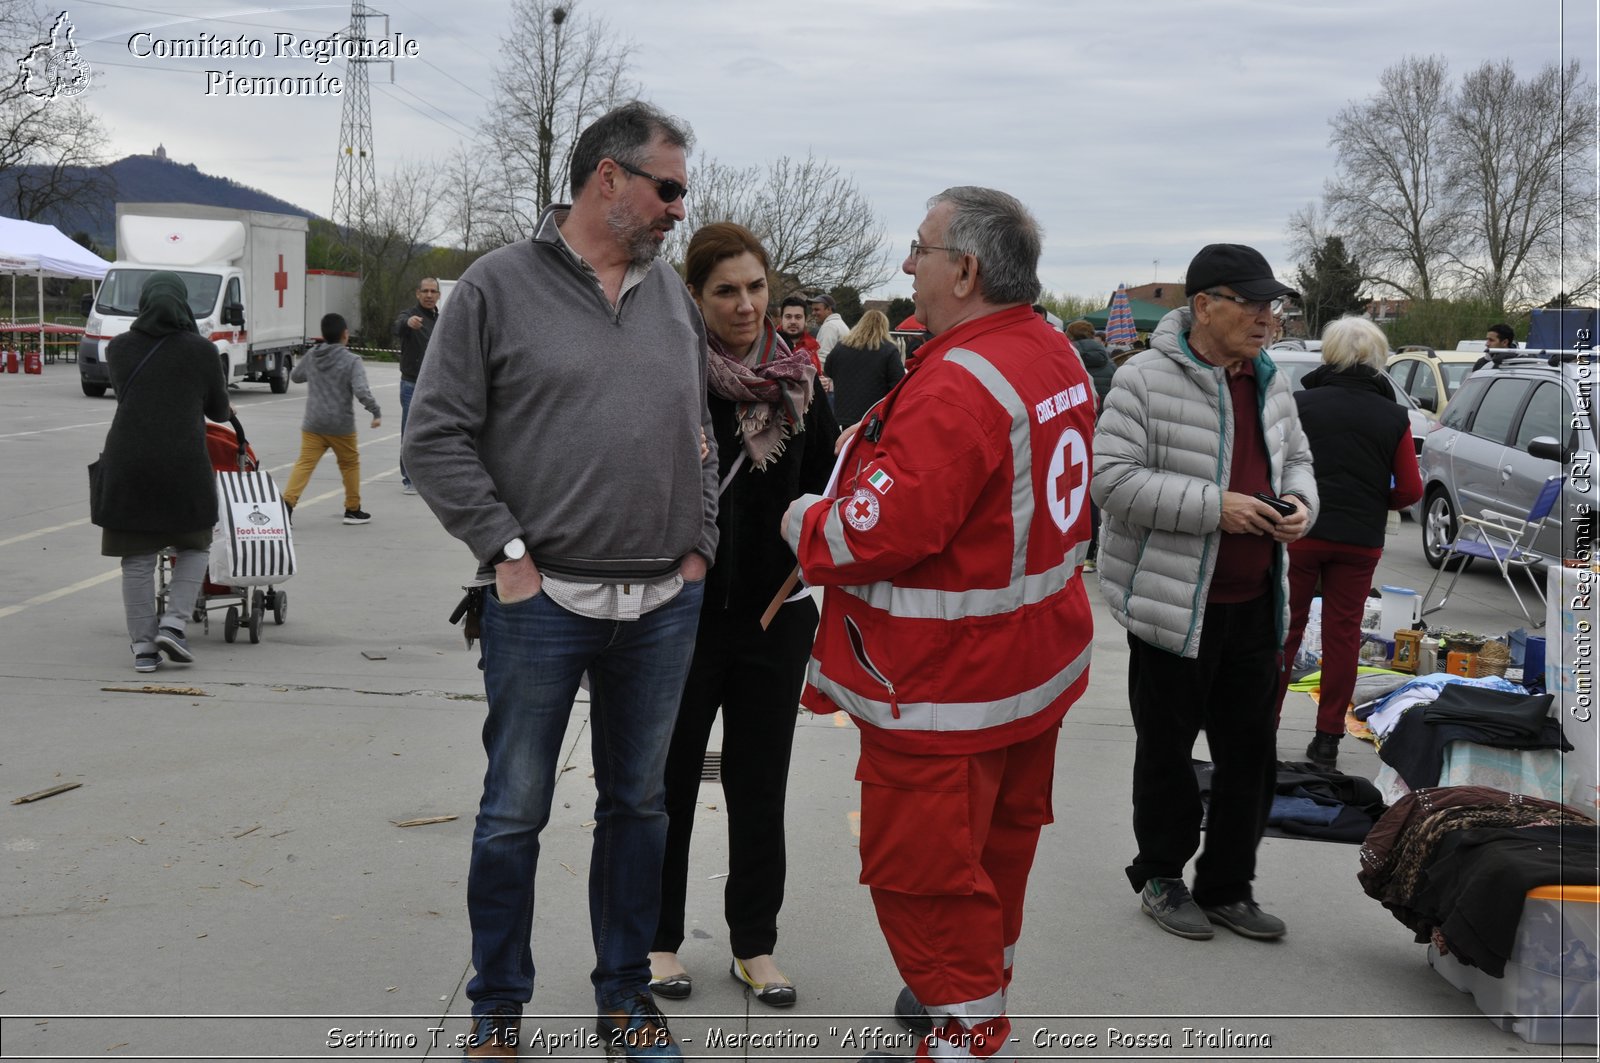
(947,505)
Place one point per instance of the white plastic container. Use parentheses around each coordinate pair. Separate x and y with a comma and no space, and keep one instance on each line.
(1548,995)
(1402,608)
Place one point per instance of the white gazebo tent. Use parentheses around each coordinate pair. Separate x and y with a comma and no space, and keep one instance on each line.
(31,249)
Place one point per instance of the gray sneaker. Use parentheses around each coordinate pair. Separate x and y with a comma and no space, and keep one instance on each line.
(171,642)
(1167,901)
(1247,918)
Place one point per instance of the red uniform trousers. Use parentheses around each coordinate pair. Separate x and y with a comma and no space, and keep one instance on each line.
(947,842)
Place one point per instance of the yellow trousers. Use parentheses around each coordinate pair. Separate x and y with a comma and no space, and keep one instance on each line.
(312,445)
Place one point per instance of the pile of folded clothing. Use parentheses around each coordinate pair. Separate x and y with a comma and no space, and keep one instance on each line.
(1455,863)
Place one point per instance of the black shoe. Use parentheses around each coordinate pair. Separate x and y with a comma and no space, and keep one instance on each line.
(171,642)
(1246,918)
(1323,752)
(912,1015)
(356,516)
(673,986)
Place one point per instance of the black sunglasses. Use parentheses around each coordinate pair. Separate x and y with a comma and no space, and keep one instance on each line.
(666,187)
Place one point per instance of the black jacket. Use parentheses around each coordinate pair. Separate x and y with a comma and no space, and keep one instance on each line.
(1355,427)
(413,341)
(752,558)
(860,378)
(1097,360)
(157,476)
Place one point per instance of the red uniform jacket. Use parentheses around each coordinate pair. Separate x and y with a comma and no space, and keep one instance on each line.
(954,618)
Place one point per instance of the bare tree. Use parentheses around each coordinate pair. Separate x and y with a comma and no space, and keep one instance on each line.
(1389,196)
(469,178)
(1521,166)
(403,223)
(559,71)
(819,229)
(50,142)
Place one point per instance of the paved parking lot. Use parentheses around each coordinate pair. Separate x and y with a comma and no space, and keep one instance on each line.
(229,881)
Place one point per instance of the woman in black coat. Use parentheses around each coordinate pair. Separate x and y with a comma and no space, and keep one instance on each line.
(863,367)
(156,485)
(775,437)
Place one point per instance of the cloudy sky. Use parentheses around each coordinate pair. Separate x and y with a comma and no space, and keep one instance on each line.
(1137,130)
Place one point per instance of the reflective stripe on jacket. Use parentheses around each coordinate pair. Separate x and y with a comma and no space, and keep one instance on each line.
(954,619)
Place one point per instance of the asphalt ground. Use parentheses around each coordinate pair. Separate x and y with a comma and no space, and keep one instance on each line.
(229,879)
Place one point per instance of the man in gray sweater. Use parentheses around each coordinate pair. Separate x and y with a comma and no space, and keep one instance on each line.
(556,430)
(335,376)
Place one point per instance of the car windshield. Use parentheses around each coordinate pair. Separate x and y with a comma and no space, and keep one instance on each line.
(119,292)
(1454,373)
(1298,368)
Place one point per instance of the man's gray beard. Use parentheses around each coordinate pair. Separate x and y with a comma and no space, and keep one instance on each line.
(634,234)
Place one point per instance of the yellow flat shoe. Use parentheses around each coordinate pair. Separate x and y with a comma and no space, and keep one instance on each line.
(773,994)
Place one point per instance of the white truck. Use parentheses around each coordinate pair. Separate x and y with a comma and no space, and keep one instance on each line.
(246,275)
(332,292)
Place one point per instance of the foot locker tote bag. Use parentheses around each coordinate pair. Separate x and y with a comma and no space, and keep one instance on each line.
(251,545)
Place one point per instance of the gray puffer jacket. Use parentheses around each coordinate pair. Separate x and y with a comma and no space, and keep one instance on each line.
(1163,451)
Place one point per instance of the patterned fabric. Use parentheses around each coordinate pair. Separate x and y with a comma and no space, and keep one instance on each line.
(771,386)
(1120,329)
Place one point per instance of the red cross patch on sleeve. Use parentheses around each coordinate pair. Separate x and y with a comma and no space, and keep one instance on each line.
(861,511)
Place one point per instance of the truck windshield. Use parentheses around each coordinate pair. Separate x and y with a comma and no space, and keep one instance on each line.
(119,292)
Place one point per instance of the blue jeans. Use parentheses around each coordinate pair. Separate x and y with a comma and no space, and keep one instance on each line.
(406,388)
(534,653)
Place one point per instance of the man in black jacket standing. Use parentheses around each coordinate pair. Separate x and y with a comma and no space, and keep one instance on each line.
(413,328)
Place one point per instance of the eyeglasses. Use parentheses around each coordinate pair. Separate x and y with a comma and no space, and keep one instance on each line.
(918,249)
(668,189)
(1252,306)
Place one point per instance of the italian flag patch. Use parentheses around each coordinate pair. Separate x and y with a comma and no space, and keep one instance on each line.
(880,481)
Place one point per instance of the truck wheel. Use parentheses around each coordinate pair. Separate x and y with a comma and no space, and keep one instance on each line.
(94,391)
(279,381)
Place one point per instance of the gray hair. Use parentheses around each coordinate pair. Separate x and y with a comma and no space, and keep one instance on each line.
(1002,234)
(622,134)
(1352,341)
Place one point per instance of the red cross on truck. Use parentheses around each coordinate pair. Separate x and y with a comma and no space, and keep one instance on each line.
(248,285)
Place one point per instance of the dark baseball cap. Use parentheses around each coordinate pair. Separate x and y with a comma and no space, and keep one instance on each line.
(824,298)
(1234,266)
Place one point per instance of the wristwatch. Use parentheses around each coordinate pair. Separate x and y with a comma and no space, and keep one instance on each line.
(515,550)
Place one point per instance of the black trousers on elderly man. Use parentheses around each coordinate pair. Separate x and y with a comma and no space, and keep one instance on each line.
(1229,691)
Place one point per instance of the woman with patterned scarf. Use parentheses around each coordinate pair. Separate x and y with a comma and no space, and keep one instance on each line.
(775,437)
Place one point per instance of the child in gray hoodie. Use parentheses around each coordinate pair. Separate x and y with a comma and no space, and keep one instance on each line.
(334,375)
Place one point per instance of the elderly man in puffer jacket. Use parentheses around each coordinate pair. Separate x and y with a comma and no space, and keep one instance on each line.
(1195,436)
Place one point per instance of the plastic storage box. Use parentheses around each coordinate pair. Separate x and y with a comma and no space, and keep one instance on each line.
(1548,995)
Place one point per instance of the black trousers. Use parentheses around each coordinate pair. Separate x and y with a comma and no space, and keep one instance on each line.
(755,677)
(1230,690)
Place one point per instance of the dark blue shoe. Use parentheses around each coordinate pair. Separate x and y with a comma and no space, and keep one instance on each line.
(636,1030)
(171,642)
(496,1035)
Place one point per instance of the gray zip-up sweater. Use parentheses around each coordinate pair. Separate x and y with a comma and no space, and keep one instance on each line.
(544,412)
(335,375)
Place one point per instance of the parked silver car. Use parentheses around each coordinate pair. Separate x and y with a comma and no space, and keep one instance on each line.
(1509,427)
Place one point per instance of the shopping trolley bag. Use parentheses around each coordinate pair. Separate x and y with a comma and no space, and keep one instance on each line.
(251,545)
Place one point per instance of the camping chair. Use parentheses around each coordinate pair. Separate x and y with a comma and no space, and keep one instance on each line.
(1503,539)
